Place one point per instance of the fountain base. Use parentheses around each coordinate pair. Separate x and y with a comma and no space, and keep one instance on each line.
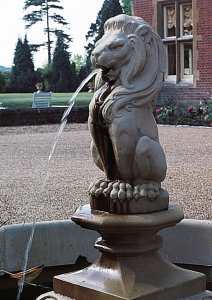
(129,267)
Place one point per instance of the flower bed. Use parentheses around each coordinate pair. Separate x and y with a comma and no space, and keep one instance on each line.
(199,115)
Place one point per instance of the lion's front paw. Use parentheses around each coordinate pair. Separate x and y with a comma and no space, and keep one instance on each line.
(96,188)
(121,191)
(115,189)
(148,191)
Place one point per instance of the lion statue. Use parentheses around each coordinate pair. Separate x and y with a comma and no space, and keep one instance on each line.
(125,142)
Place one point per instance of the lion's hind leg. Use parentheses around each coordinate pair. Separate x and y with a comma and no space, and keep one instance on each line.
(149,165)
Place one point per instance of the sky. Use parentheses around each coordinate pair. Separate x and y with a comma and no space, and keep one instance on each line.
(78,13)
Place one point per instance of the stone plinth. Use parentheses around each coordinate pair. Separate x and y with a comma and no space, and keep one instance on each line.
(130,266)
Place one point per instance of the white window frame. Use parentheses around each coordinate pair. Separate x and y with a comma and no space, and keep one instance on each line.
(180,40)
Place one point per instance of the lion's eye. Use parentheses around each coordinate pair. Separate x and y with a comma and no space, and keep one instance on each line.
(115,46)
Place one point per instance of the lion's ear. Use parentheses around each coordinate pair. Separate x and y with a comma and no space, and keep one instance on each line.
(145,33)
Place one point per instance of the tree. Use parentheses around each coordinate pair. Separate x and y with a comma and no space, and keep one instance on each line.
(63,72)
(23,77)
(41,13)
(46,73)
(110,8)
(7,79)
(84,72)
(127,6)
(79,61)
(2,82)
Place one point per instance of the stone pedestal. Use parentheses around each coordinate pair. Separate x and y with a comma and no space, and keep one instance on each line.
(130,266)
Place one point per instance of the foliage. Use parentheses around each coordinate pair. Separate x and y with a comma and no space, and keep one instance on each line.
(63,72)
(168,100)
(110,8)
(46,73)
(127,7)
(85,70)
(175,115)
(79,61)
(22,77)
(44,10)
(6,75)
(2,82)
(199,115)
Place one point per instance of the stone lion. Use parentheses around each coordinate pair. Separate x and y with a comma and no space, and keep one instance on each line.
(125,142)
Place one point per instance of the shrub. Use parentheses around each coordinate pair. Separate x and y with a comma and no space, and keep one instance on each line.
(199,115)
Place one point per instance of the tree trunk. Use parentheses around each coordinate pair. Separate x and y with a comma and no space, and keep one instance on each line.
(48,33)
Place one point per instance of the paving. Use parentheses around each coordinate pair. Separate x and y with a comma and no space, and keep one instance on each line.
(24,152)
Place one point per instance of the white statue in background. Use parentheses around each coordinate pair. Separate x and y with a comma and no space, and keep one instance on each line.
(125,141)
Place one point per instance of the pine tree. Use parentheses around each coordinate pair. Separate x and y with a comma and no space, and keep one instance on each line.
(63,72)
(110,8)
(127,6)
(43,12)
(23,77)
(27,56)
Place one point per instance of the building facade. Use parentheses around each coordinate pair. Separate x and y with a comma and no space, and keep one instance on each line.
(185,27)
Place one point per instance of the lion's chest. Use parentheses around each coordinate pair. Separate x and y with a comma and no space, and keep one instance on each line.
(101,136)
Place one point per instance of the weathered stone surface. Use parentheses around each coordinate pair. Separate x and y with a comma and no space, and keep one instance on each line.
(133,206)
(55,243)
(125,138)
(189,242)
(129,266)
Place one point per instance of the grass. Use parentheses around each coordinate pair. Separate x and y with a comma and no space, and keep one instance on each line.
(25,100)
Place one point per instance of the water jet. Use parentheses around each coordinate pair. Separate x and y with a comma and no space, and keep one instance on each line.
(61,128)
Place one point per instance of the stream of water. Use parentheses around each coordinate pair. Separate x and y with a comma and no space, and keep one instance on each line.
(63,124)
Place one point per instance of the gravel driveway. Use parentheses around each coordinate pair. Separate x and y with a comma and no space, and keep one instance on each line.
(23,158)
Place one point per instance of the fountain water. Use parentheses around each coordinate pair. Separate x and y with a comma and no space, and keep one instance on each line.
(62,126)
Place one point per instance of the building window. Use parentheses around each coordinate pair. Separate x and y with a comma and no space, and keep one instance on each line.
(187,19)
(169,21)
(177,35)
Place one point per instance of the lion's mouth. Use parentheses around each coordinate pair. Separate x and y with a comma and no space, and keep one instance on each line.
(105,70)
(108,74)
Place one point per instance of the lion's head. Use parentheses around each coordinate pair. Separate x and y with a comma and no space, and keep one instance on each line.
(133,60)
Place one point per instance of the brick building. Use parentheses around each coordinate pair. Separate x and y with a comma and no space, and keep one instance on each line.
(185,27)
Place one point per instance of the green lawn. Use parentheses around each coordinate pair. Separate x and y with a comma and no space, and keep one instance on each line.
(25,100)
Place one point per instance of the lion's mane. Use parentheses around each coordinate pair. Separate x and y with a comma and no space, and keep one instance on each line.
(142,77)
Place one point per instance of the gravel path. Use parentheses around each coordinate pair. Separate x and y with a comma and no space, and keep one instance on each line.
(24,152)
